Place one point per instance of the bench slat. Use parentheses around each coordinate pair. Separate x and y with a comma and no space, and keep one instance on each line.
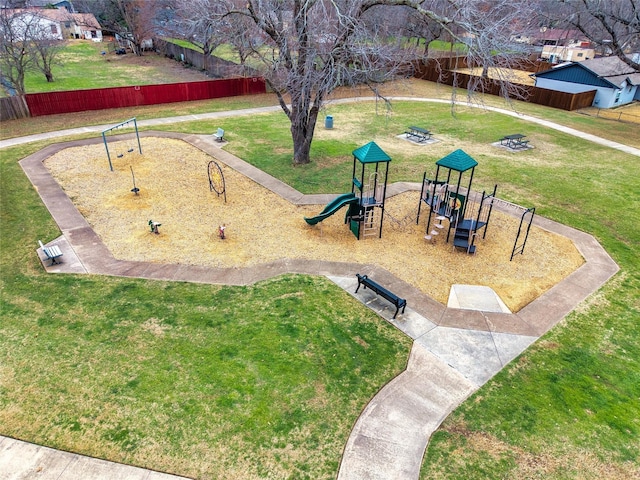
(52,252)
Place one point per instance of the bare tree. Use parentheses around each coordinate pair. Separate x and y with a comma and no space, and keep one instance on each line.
(612,25)
(307,48)
(134,21)
(201,22)
(16,56)
(46,52)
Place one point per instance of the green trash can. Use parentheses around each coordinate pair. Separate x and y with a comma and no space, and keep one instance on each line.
(328,122)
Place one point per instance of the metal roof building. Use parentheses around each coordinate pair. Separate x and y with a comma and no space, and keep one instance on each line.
(615,82)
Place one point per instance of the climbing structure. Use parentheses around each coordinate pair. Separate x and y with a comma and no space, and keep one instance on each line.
(451,205)
(369,185)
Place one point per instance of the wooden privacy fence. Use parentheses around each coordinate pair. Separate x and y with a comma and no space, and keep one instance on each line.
(435,71)
(12,108)
(215,67)
(120,97)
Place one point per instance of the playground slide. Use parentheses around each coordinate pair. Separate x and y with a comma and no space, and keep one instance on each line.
(333,206)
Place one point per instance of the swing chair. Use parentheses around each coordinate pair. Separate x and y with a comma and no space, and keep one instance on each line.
(131,121)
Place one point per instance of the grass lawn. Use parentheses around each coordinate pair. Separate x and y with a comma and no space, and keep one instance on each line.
(205,381)
(159,374)
(82,66)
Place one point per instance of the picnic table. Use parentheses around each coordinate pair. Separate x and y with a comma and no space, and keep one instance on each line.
(515,140)
(419,133)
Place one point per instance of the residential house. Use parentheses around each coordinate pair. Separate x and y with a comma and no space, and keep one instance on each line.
(58,23)
(559,37)
(614,81)
(567,53)
(86,26)
(34,22)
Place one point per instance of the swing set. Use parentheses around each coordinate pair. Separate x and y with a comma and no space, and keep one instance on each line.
(125,124)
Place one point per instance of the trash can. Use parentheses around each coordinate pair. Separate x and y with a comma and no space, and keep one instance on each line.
(328,121)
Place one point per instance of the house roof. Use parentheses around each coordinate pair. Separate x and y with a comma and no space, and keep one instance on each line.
(613,69)
(371,153)
(558,34)
(610,70)
(59,15)
(86,20)
(53,14)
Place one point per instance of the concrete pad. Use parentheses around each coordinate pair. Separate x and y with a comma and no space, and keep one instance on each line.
(470,352)
(476,297)
(414,141)
(515,150)
(68,263)
(509,323)
(466,319)
(412,323)
(509,346)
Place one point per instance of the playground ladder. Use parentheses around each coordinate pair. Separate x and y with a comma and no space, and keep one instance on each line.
(368,225)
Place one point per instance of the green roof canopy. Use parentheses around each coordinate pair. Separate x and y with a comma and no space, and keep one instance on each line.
(371,153)
(458,161)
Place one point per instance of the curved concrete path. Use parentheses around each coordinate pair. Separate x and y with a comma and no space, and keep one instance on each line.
(455,350)
(252,111)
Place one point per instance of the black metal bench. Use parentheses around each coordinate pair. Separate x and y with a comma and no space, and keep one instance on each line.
(383,292)
(52,253)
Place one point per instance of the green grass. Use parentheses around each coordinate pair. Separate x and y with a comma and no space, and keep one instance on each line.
(82,66)
(567,408)
(263,379)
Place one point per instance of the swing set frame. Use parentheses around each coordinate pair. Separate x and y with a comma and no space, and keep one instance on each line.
(115,127)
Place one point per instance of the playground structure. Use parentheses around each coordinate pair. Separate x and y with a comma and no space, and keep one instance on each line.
(364,198)
(124,124)
(466,212)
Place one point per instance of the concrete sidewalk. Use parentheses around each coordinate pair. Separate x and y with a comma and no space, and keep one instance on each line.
(252,111)
(455,351)
(25,461)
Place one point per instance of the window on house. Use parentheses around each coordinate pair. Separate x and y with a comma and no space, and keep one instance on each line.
(54,29)
(579,55)
(617,96)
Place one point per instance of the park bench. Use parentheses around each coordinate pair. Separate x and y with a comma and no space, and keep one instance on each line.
(52,252)
(383,292)
(420,134)
(219,135)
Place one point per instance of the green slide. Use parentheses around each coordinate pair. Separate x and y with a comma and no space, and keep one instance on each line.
(333,206)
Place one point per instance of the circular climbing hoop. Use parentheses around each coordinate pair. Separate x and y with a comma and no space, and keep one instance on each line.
(216,179)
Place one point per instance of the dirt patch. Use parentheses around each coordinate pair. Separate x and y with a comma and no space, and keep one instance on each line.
(262,227)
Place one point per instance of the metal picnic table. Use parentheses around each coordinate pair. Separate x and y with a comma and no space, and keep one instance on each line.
(515,140)
(419,133)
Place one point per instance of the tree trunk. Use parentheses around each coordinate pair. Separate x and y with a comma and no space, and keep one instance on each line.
(303,124)
(301,147)
(49,76)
